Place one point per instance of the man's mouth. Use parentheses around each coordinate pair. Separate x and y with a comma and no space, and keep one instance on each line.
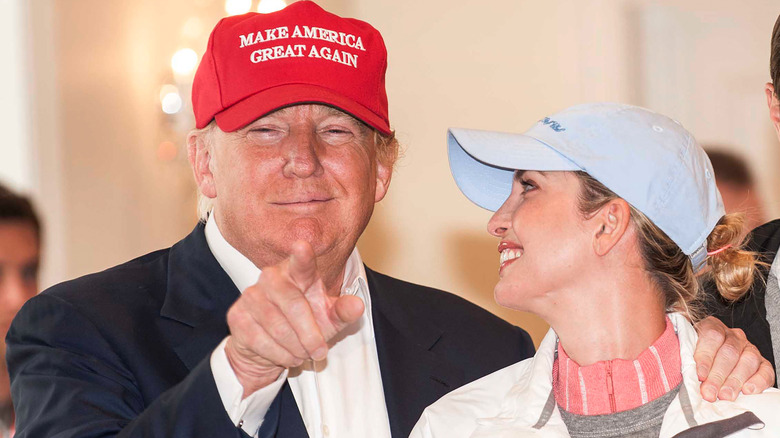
(302,201)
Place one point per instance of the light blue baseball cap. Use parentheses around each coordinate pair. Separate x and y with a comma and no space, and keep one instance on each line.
(646,158)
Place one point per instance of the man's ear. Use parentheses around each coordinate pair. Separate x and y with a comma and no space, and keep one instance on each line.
(383,175)
(610,225)
(199,156)
(774,106)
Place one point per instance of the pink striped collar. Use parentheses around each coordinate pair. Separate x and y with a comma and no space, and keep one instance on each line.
(619,384)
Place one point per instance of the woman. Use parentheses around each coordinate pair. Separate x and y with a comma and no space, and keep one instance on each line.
(603,234)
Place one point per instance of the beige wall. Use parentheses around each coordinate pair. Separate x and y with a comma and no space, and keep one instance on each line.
(494,65)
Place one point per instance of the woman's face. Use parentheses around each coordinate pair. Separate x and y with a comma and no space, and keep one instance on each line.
(544,240)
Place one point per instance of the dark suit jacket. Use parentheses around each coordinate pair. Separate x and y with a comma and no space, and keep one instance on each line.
(749,312)
(125,352)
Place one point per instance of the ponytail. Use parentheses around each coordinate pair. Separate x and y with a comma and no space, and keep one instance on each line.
(732,267)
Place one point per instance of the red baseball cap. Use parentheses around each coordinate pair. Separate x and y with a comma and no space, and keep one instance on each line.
(257,63)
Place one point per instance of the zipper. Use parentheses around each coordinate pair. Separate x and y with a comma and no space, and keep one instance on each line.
(611,389)
(321,427)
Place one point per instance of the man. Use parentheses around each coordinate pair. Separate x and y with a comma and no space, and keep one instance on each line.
(737,186)
(20,247)
(292,150)
(759,311)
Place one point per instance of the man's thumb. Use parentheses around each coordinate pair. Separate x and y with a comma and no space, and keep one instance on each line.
(346,310)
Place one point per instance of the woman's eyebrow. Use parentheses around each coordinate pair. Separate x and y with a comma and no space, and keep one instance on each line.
(519,173)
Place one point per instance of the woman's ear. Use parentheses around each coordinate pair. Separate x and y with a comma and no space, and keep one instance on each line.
(610,225)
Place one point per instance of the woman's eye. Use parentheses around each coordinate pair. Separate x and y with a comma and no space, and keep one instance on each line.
(528,185)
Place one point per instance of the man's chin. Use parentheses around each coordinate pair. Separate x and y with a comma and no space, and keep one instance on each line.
(308,228)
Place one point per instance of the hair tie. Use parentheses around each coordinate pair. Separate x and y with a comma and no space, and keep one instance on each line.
(718,251)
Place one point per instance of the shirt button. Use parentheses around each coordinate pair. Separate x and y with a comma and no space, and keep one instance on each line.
(325,430)
(240,423)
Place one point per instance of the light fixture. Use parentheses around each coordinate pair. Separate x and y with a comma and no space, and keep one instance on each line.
(171,103)
(236,7)
(167,151)
(184,61)
(167,89)
(268,6)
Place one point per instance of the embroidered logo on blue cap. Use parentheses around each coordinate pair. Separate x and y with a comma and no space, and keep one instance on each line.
(555,126)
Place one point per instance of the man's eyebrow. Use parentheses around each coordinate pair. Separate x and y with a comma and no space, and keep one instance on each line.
(333,111)
(361,125)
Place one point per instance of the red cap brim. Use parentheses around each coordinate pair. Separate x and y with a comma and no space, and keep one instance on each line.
(259,104)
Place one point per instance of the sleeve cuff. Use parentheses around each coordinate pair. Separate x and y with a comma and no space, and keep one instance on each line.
(248,413)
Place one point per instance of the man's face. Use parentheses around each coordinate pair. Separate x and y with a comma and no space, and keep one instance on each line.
(742,199)
(19,257)
(305,172)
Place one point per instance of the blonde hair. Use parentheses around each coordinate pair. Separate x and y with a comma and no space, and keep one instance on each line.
(387,152)
(733,269)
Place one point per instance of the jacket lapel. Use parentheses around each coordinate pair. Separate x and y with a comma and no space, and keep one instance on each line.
(198,296)
(413,375)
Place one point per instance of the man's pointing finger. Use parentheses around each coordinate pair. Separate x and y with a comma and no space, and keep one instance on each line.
(303,265)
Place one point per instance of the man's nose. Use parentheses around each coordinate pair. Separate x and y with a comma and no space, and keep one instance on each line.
(15,291)
(303,159)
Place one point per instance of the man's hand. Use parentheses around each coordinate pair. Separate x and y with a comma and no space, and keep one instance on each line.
(285,319)
(727,363)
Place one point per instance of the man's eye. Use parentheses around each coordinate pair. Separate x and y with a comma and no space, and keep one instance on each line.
(30,272)
(528,185)
(263,130)
(264,133)
(338,130)
(336,134)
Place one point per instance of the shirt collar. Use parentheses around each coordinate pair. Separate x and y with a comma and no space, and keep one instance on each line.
(531,394)
(240,269)
(244,273)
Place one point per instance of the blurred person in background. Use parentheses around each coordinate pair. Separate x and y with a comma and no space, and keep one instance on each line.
(20,247)
(758,312)
(737,186)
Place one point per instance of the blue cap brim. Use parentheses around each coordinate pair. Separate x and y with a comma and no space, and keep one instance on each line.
(483,162)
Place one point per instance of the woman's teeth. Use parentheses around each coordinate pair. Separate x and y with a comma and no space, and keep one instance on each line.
(510,254)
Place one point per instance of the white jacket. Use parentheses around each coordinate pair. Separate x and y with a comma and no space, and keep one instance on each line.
(517,401)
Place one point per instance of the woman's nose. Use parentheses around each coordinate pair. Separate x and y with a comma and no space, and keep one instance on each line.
(501,220)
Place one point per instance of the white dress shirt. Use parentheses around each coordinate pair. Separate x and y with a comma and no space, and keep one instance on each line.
(341,396)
